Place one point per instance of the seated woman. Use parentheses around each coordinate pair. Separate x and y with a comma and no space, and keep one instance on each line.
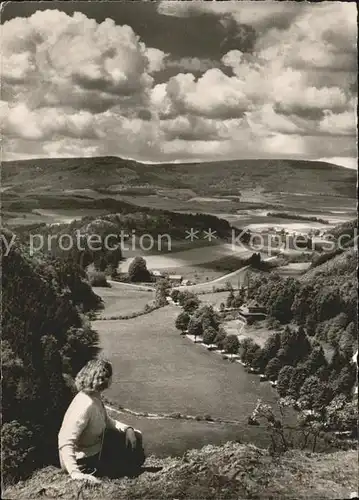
(90,441)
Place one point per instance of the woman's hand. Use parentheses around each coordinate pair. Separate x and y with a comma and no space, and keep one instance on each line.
(131,439)
(80,476)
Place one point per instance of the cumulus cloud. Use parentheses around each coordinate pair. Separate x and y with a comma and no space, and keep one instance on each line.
(317,39)
(339,124)
(45,123)
(192,64)
(74,87)
(214,95)
(245,12)
(72,59)
(156,59)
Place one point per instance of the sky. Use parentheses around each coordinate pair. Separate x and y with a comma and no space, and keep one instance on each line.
(179,81)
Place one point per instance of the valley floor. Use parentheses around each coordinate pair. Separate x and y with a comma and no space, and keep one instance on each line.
(156,370)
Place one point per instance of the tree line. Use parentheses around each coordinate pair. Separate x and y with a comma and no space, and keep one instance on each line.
(46,339)
(290,357)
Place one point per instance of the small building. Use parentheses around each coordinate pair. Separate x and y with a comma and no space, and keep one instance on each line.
(157,274)
(175,278)
(252,311)
(186,282)
(254,307)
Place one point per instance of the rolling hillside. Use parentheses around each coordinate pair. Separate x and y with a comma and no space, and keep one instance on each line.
(207,178)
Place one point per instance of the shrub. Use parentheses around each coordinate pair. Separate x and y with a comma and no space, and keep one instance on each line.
(272,369)
(209,335)
(190,305)
(284,378)
(248,350)
(219,339)
(314,393)
(175,295)
(182,321)
(16,450)
(195,327)
(182,297)
(98,278)
(138,271)
(231,344)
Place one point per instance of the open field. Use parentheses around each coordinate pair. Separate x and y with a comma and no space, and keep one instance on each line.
(293,269)
(259,331)
(191,256)
(236,278)
(158,371)
(214,299)
(174,437)
(122,299)
(208,271)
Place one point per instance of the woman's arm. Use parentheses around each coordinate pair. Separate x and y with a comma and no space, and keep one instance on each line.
(75,421)
(111,423)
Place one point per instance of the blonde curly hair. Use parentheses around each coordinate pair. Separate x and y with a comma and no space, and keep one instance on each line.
(94,376)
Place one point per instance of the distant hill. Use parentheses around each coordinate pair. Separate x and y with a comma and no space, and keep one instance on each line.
(207,178)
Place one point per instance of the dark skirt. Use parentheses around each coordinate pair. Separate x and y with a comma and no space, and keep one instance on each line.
(116,458)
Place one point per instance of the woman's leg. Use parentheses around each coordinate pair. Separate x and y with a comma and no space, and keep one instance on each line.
(116,458)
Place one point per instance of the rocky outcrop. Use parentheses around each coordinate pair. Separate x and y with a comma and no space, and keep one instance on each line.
(232,471)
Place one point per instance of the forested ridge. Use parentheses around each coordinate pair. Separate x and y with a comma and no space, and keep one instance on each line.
(46,339)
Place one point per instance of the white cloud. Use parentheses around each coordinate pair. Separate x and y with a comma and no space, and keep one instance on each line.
(244,12)
(45,123)
(339,124)
(213,95)
(189,64)
(156,59)
(72,86)
(75,60)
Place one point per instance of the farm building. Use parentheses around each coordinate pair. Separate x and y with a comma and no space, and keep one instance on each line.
(175,278)
(252,311)
(157,274)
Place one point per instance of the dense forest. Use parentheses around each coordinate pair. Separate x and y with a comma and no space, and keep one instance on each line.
(142,220)
(46,339)
(113,230)
(308,318)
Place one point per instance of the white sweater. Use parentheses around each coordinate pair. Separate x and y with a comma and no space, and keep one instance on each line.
(82,430)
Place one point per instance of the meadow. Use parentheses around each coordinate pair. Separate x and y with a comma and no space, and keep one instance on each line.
(188,257)
(293,269)
(121,299)
(156,370)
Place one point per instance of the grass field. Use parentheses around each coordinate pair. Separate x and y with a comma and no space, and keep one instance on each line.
(235,278)
(188,257)
(258,332)
(122,299)
(158,371)
(293,269)
(175,437)
(214,299)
